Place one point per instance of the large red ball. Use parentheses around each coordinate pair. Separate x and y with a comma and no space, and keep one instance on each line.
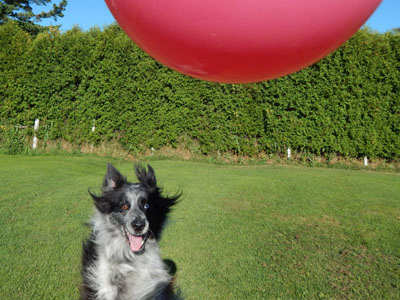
(240,41)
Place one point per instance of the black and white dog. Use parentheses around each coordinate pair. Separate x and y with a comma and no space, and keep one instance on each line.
(121,259)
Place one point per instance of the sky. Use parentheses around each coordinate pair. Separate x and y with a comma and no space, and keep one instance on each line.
(90,13)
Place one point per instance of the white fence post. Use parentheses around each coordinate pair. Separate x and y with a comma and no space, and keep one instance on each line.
(35,139)
(289,153)
(365,161)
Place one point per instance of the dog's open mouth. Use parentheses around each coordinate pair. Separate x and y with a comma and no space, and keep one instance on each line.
(136,242)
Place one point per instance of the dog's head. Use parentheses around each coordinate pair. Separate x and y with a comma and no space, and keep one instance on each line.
(138,210)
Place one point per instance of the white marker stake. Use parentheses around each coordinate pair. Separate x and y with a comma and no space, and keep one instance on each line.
(35,139)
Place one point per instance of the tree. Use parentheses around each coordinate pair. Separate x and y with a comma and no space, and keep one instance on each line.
(21,11)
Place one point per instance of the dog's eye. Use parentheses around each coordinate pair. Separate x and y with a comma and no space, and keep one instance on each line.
(124,206)
(144,204)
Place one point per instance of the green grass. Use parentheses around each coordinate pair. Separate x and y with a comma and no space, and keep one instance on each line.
(240,232)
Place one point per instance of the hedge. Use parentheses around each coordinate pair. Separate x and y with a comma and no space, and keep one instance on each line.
(347,104)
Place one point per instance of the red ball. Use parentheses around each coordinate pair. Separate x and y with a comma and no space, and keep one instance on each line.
(240,41)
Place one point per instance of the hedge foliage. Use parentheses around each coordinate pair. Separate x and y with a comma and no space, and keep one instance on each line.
(347,104)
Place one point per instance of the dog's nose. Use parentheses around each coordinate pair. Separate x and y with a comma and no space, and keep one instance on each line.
(138,224)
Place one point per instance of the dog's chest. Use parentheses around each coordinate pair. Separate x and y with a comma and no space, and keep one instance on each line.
(135,280)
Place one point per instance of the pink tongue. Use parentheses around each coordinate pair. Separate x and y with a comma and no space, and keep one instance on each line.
(135,242)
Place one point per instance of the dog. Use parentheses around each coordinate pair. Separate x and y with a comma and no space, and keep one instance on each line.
(121,258)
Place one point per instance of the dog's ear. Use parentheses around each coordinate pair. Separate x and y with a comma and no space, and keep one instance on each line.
(147,178)
(113,179)
(100,202)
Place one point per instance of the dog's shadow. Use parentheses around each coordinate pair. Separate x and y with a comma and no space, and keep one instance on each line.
(171,266)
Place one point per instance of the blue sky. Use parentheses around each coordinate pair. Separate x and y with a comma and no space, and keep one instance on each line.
(89,13)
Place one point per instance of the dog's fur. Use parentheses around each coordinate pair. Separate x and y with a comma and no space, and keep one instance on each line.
(121,259)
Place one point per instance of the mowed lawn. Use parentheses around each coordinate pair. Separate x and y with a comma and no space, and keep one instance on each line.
(240,232)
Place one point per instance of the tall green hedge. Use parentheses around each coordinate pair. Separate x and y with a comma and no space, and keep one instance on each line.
(347,104)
